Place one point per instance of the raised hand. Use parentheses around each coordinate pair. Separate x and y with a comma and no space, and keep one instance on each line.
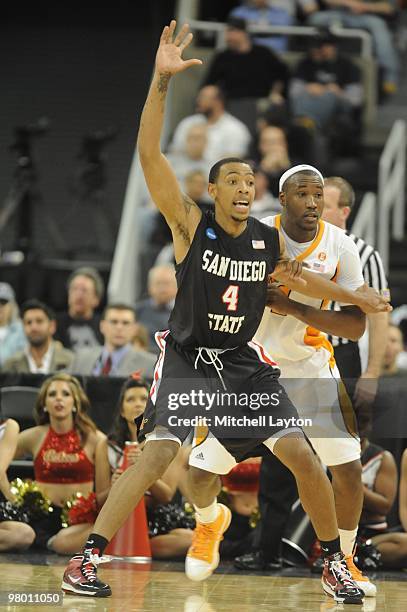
(169,60)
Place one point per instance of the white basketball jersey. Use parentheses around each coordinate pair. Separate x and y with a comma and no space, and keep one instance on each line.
(333,255)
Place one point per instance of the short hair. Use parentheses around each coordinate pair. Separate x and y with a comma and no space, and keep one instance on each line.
(91,273)
(214,171)
(118,306)
(35,304)
(346,191)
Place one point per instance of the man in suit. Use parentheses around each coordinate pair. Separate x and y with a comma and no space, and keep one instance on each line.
(42,355)
(116,357)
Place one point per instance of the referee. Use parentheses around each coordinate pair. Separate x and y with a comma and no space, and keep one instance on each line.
(359,363)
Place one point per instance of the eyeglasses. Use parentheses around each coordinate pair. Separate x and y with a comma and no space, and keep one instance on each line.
(3,302)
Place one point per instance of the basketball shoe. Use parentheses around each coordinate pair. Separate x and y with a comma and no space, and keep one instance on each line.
(338,582)
(80,576)
(361,580)
(203,555)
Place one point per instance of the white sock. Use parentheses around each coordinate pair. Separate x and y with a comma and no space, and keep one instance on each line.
(348,538)
(208,514)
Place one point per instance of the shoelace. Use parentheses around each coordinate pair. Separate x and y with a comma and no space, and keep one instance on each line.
(88,567)
(341,570)
(203,534)
(213,358)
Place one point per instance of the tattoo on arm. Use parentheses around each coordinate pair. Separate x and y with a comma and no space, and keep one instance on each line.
(163,82)
(188,202)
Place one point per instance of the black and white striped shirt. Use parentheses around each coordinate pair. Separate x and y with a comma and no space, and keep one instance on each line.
(373,273)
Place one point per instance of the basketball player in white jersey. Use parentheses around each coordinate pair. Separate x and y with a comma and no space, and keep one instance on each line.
(293,332)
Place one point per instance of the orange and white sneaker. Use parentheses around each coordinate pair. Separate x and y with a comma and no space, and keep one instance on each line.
(361,580)
(203,555)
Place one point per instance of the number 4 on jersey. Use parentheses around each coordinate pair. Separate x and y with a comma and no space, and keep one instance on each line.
(230,297)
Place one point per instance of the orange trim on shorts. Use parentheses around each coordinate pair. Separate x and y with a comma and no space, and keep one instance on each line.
(200,435)
(313,337)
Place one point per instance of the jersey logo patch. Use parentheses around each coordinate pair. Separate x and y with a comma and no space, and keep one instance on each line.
(211,233)
(322,256)
(258,244)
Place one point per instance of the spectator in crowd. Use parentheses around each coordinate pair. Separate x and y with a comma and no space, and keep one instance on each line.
(394,347)
(226,135)
(403,491)
(264,203)
(274,157)
(193,158)
(326,89)
(117,356)
(141,338)
(14,534)
(379,476)
(170,530)
(241,488)
(389,416)
(265,13)
(246,70)
(64,447)
(154,312)
(12,338)
(399,318)
(273,13)
(42,355)
(79,327)
(370,16)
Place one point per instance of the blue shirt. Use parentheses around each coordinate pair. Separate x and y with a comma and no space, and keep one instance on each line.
(268,16)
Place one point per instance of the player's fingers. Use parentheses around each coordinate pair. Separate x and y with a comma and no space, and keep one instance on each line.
(181,34)
(192,62)
(171,30)
(164,35)
(187,41)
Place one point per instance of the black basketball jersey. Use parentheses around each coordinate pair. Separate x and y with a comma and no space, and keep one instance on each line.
(222,285)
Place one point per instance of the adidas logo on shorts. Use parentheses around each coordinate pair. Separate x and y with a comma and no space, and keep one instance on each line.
(199,456)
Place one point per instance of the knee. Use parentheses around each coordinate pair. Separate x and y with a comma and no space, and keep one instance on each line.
(159,455)
(22,536)
(300,458)
(200,478)
(348,475)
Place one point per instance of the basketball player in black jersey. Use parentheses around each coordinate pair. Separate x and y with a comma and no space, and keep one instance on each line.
(223,264)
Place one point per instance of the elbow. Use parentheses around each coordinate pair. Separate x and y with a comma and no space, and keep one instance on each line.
(358,327)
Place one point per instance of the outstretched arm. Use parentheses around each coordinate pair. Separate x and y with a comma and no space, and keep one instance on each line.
(295,277)
(349,322)
(180,212)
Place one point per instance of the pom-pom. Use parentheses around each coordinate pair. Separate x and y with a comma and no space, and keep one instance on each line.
(79,509)
(30,498)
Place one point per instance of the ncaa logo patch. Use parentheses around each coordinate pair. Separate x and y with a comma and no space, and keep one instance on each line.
(322,256)
(211,233)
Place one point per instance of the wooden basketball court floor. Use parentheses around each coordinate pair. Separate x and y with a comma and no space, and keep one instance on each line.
(163,587)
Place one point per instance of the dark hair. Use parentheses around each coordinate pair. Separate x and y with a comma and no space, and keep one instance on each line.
(120,431)
(91,273)
(347,194)
(214,171)
(37,305)
(118,306)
